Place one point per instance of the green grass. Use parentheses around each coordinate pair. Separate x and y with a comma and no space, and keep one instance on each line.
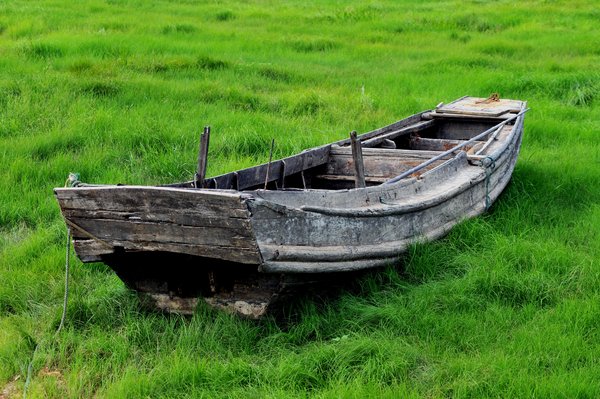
(508,305)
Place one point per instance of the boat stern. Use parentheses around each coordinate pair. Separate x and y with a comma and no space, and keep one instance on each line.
(109,220)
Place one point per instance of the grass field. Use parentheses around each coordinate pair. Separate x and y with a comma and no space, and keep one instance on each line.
(508,305)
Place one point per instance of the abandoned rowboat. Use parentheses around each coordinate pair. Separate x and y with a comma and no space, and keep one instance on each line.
(242,239)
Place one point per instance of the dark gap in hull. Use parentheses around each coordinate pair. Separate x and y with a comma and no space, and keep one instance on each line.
(176,274)
(174,282)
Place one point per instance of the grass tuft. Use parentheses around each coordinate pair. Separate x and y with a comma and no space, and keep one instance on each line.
(211,64)
(179,28)
(476,23)
(583,95)
(276,75)
(314,45)
(225,15)
(309,104)
(43,51)
(100,89)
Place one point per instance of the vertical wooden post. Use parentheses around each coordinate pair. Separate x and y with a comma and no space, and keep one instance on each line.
(269,164)
(202,158)
(359,167)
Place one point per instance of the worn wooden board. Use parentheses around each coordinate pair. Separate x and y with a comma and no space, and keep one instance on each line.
(415,128)
(421,143)
(254,177)
(378,162)
(480,106)
(198,222)
(148,199)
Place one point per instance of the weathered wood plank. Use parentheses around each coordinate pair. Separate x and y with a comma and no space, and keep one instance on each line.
(202,157)
(346,178)
(175,216)
(92,251)
(254,177)
(418,127)
(120,230)
(493,119)
(378,162)
(357,161)
(325,267)
(492,106)
(421,143)
(385,152)
(152,200)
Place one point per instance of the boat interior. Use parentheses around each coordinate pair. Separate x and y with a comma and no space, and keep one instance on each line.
(377,156)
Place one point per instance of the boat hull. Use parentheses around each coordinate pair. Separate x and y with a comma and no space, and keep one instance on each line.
(110,219)
(244,250)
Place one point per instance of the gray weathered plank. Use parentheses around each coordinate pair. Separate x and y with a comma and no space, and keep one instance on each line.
(173,216)
(121,230)
(151,199)
(202,157)
(377,162)
(255,176)
(357,161)
(92,251)
(421,143)
(417,127)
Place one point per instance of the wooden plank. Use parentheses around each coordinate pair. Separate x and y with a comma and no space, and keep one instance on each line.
(326,267)
(379,165)
(418,127)
(385,152)
(255,176)
(343,178)
(269,163)
(202,158)
(197,222)
(152,199)
(480,106)
(92,251)
(420,143)
(108,230)
(174,216)
(357,160)
(437,115)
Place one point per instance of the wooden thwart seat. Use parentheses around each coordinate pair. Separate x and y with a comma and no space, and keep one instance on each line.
(417,127)
(380,164)
(421,143)
(348,178)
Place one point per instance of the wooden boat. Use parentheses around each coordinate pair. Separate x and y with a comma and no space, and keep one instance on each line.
(243,239)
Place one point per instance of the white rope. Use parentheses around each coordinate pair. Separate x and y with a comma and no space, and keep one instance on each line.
(62,318)
(66,296)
